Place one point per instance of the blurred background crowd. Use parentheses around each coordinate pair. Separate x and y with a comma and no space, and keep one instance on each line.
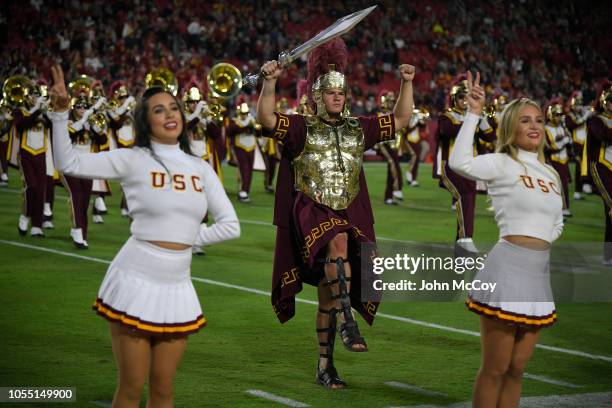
(541,49)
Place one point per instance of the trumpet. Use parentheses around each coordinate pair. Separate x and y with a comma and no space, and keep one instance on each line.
(214,111)
(16,91)
(224,80)
(164,78)
(97,119)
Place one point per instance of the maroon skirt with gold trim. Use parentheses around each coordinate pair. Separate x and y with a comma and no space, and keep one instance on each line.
(300,249)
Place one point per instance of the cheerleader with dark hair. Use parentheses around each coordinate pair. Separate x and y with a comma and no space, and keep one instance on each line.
(147,294)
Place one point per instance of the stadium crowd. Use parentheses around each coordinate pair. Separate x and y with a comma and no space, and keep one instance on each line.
(542,48)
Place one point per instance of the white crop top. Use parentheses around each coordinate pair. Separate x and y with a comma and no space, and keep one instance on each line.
(163,207)
(526,196)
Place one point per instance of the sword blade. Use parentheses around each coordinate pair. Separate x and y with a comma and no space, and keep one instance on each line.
(339,27)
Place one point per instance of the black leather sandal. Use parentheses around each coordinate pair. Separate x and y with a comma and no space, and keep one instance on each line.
(328,376)
(348,329)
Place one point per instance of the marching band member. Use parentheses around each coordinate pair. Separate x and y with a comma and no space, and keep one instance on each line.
(147,294)
(528,204)
(598,157)
(303,107)
(241,132)
(389,150)
(123,132)
(558,143)
(576,123)
(322,208)
(201,128)
(270,149)
(411,144)
(30,140)
(462,189)
(203,133)
(40,90)
(6,124)
(86,136)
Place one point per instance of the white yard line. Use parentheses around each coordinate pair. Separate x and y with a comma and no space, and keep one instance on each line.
(590,400)
(409,206)
(414,388)
(281,400)
(549,380)
(265,293)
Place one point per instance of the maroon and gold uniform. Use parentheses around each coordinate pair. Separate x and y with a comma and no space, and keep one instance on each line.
(87,137)
(462,189)
(576,123)
(245,152)
(28,145)
(557,149)
(6,122)
(389,152)
(410,144)
(598,158)
(122,131)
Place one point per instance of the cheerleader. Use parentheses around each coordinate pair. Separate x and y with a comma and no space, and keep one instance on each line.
(147,294)
(528,205)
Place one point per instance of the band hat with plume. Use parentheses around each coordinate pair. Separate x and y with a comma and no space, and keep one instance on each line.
(118,89)
(553,106)
(458,90)
(191,92)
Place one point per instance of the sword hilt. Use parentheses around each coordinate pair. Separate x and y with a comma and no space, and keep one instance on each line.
(251,80)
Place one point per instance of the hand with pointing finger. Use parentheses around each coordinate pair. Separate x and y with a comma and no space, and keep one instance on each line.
(476,95)
(60,99)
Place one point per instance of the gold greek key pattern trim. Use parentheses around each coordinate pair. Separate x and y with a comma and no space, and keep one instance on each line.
(317,232)
(290,276)
(282,125)
(370,308)
(357,232)
(386,128)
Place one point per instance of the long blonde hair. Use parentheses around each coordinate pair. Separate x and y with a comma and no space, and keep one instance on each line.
(506,132)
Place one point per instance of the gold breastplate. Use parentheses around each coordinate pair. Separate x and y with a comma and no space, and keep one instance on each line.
(328,168)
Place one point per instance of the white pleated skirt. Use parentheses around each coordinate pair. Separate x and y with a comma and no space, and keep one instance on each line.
(523,295)
(149,289)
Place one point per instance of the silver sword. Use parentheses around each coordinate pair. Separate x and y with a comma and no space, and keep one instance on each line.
(339,27)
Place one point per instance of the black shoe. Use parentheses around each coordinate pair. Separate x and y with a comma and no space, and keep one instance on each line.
(80,245)
(328,377)
(350,336)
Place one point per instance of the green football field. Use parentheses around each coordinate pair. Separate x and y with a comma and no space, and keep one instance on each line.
(421,353)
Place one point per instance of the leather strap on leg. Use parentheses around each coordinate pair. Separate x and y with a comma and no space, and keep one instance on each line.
(328,376)
(349,331)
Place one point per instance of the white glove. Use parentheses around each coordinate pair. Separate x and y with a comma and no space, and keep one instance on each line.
(79,124)
(196,112)
(99,103)
(37,105)
(124,107)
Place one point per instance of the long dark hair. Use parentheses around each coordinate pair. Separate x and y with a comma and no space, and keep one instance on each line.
(143,128)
